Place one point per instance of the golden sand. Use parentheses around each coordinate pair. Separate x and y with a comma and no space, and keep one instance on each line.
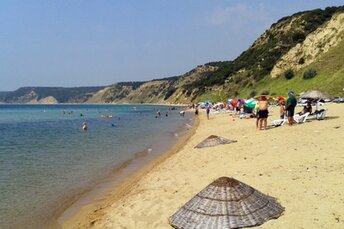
(302,166)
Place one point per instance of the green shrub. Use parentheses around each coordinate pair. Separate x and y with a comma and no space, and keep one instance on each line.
(265,92)
(289,74)
(252,94)
(298,37)
(309,74)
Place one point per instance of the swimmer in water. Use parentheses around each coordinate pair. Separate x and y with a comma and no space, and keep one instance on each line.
(84,126)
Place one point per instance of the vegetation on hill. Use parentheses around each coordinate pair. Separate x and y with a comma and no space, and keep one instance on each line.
(61,94)
(246,76)
(256,63)
(328,77)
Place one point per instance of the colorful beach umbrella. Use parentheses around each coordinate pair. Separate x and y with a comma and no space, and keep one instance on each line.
(251,103)
(235,101)
(280,98)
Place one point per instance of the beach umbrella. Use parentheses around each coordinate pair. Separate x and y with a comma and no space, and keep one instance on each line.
(214,140)
(235,101)
(280,98)
(251,103)
(207,102)
(226,203)
(316,95)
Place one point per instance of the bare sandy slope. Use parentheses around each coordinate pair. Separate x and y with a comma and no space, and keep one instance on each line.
(302,166)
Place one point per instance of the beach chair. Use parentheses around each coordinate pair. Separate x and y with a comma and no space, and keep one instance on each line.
(279,122)
(318,115)
(301,118)
(322,115)
(298,119)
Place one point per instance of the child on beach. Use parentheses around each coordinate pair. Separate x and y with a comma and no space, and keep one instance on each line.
(281,109)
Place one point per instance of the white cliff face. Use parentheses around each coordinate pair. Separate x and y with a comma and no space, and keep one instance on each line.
(46,100)
(315,44)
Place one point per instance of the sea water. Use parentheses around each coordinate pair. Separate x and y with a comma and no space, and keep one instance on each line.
(46,158)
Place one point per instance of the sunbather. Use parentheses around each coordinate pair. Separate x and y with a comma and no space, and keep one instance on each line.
(307,108)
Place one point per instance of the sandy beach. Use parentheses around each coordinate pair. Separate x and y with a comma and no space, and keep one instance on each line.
(302,166)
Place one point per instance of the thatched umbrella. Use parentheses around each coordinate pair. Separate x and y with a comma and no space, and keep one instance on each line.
(315,94)
(214,140)
(226,203)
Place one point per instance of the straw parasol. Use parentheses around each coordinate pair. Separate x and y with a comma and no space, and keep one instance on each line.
(214,140)
(315,94)
(226,203)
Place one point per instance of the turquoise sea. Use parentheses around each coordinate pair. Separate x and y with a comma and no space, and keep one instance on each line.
(46,158)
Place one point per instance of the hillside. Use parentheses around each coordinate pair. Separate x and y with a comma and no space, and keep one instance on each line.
(306,41)
(300,52)
(49,95)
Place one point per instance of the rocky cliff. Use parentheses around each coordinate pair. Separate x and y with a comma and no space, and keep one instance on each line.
(316,44)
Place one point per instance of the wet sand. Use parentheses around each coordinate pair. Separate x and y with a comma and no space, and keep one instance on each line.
(302,166)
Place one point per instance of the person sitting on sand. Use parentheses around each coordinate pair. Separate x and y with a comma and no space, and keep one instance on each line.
(239,106)
(306,109)
(263,111)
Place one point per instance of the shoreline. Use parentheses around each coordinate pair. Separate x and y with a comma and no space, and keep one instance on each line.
(129,172)
(301,166)
(134,104)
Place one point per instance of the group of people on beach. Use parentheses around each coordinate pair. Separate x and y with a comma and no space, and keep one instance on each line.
(286,109)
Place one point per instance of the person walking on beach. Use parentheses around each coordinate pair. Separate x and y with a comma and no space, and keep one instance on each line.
(290,107)
(208,111)
(196,111)
(263,112)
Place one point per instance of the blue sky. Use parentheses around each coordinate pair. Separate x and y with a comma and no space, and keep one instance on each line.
(97,42)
